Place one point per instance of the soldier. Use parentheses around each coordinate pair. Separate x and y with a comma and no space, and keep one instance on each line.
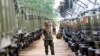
(54,29)
(48,38)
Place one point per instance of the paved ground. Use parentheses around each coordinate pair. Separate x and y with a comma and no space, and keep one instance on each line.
(37,49)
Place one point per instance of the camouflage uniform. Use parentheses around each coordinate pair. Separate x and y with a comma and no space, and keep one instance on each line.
(48,41)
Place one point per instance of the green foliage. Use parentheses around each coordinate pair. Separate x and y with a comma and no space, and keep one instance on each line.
(40,6)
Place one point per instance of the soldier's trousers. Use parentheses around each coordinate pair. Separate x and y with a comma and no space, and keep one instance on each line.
(48,43)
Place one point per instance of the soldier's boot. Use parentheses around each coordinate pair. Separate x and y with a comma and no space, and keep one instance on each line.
(76,53)
(52,50)
(46,51)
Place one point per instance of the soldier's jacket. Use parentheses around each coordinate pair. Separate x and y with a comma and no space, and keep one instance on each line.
(48,34)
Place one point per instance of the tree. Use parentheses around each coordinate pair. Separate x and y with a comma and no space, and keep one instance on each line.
(40,6)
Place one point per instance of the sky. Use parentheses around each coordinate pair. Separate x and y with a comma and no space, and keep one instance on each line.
(57,3)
